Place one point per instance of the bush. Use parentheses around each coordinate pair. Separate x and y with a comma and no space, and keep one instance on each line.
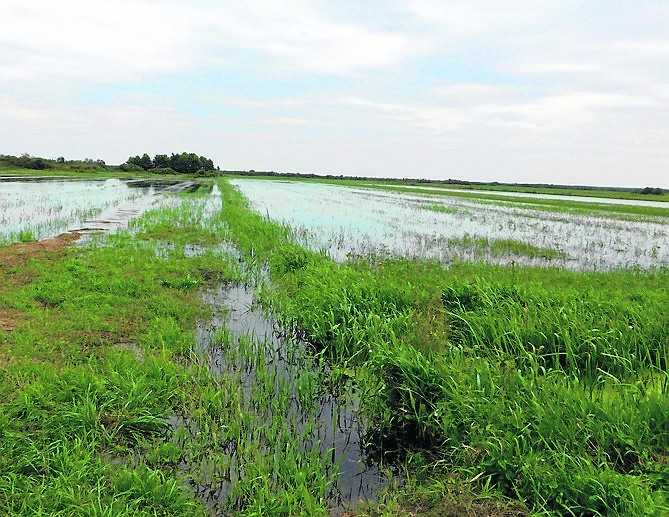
(163,170)
(128,167)
(656,191)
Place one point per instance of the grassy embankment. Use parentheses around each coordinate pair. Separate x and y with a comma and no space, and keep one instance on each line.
(108,407)
(94,347)
(90,173)
(545,385)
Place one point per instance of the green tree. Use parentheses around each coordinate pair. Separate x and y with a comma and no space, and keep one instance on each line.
(145,162)
(161,161)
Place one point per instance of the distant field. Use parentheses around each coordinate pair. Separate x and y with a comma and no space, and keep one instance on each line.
(558,191)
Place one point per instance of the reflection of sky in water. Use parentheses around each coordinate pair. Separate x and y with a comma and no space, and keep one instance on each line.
(351,220)
(48,208)
(585,199)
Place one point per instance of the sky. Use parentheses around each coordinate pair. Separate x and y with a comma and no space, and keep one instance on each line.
(564,92)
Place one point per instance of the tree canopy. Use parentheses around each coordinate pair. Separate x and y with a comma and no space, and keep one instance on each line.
(26,161)
(184,163)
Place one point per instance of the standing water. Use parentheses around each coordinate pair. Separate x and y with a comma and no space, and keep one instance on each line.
(317,419)
(36,209)
(347,221)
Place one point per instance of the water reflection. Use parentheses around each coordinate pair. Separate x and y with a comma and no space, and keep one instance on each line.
(41,208)
(345,221)
(334,429)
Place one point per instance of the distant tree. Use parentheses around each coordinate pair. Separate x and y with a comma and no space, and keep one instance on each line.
(651,190)
(185,163)
(206,163)
(145,162)
(181,163)
(38,164)
(60,159)
(161,161)
(130,167)
(134,160)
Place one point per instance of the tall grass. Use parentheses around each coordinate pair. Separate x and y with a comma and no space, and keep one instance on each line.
(548,385)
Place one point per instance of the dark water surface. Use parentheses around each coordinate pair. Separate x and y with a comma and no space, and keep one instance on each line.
(338,429)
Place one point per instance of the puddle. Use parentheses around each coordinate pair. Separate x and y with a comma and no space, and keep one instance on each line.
(118,217)
(325,423)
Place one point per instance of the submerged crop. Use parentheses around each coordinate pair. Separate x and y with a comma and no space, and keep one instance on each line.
(128,383)
(349,221)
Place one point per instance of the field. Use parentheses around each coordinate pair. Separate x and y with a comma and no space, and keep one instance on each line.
(258,347)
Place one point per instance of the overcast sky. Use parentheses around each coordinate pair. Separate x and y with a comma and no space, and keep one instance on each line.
(531,91)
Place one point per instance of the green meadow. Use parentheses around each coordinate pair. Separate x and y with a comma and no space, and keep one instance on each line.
(477,388)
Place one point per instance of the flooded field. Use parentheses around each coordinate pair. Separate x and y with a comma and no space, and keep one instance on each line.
(530,195)
(279,381)
(209,360)
(348,221)
(35,209)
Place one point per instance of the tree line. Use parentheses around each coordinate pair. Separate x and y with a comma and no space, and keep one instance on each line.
(26,161)
(184,163)
(651,190)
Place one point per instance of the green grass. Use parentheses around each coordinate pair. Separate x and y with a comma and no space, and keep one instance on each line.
(504,247)
(108,405)
(547,385)
(92,371)
(498,390)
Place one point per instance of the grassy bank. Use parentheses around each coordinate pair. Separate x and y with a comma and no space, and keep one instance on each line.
(94,348)
(111,406)
(548,386)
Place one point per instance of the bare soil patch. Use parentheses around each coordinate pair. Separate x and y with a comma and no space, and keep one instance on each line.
(15,254)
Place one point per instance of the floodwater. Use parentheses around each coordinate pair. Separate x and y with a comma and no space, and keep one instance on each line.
(48,207)
(335,431)
(530,195)
(327,423)
(346,221)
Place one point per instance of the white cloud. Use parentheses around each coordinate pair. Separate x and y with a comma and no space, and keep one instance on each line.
(544,89)
(124,40)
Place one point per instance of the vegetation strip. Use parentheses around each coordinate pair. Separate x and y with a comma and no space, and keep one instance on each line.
(550,386)
(532,203)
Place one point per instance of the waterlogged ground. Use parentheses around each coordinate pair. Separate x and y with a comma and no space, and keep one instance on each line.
(142,374)
(530,195)
(347,221)
(245,345)
(39,209)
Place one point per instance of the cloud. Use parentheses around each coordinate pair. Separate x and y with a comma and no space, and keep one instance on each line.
(124,41)
(545,90)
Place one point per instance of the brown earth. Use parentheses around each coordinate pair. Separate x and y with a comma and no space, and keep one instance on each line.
(12,275)
(17,253)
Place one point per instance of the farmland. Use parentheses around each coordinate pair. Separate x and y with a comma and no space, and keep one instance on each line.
(262,347)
